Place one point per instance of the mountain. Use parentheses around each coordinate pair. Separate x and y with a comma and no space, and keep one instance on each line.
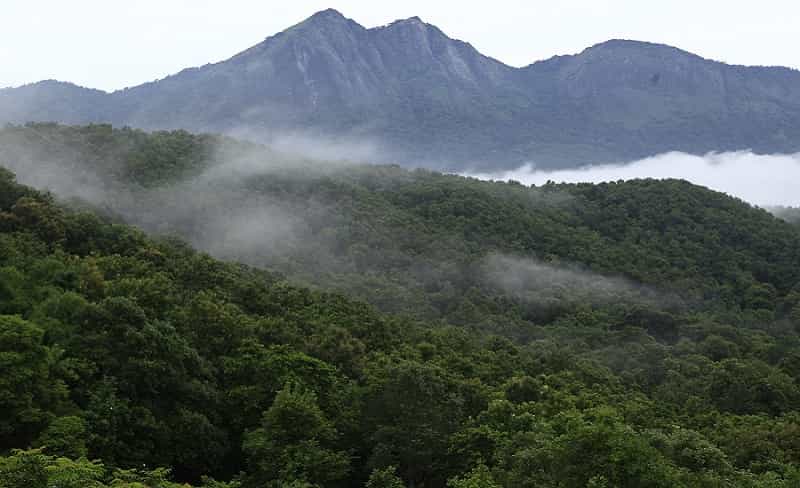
(52,100)
(424,99)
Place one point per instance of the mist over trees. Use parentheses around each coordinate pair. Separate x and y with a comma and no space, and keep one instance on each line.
(396,328)
(789,214)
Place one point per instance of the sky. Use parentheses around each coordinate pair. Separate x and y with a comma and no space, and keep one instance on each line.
(111,44)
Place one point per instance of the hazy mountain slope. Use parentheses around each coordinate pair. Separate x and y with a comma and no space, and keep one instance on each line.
(328,75)
(630,99)
(53,101)
(417,242)
(425,99)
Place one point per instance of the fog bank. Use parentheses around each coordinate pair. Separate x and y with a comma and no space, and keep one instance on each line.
(764,180)
(535,281)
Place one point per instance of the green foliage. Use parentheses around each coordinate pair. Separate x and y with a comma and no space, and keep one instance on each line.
(385,478)
(480,477)
(24,470)
(65,437)
(584,448)
(291,444)
(659,349)
(413,409)
(33,469)
(29,386)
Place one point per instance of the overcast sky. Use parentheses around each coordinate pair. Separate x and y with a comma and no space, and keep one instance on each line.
(110,44)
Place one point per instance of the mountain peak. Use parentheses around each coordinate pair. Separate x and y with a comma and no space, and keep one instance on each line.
(410,20)
(629,45)
(326,20)
(329,17)
(328,14)
(52,84)
(616,43)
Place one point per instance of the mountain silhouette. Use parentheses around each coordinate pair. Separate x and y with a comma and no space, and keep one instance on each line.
(425,99)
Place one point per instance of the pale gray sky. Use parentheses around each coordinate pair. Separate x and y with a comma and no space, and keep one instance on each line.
(110,44)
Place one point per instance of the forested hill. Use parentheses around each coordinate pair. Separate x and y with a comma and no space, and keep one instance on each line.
(422,243)
(424,99)
(640,334)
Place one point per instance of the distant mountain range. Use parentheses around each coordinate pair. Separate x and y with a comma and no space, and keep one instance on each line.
(425,99)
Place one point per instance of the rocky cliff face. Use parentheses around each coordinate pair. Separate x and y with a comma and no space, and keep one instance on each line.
(430,100)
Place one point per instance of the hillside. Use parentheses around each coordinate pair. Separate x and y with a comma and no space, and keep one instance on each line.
(410,94)
(635,334)
(417,242)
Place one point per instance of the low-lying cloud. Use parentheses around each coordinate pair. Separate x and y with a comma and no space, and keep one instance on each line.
(764,180)
(543,283)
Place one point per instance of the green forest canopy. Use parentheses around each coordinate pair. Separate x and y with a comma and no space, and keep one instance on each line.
(666,356)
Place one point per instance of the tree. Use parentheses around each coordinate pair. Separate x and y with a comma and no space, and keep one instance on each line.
(413,409)
(385,478)
(479,477)
(29,388)
(576,448)
(294,443)
(65,437)
(24,469)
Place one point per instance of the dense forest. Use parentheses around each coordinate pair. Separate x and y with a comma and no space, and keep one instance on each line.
(389,327)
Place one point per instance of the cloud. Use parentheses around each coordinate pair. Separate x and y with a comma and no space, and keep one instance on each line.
(764,180)
(543,283)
